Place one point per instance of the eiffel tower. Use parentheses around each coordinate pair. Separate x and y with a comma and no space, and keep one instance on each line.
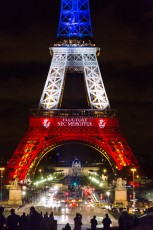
(50,126)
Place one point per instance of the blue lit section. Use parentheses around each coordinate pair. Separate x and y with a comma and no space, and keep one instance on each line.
(74,19)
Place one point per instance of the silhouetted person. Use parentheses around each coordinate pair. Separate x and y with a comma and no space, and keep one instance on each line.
(51,216)
(2,218)
(12,221)
(53,223)
(24,222)
(46,223)
(93,222)
(106,222)
(77,221)
(124,221)
(67,227)
(35,219)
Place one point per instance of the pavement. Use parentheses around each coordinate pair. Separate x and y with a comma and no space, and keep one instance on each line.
(63,219)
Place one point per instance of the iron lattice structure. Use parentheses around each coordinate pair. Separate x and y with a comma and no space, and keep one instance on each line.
(50,129)
(50,126)
(74,19)
(72,58)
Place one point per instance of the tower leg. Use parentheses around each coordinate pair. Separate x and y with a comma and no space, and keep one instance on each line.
(95,87)
(53,87)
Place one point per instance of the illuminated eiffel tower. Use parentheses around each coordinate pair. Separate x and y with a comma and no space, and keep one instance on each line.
(50,126)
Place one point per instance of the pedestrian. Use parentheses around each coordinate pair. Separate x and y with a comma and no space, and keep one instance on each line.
(124,221)
(35,219)
(45,223)
(93,222)
(106,222)
(24,222)
(13,220)
(67,227)
(52,220)
(2,218)
(77,221)
(51,216)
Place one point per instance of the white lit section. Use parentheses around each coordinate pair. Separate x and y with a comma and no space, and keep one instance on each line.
(77,58)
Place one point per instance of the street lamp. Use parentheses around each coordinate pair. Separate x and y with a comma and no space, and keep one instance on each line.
(108,194)
(133,205)
(1,170)
(40,171)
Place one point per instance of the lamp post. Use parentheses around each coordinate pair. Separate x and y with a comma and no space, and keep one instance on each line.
(108,194)
(1,170)
(133,205)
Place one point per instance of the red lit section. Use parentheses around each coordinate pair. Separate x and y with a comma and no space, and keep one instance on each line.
(103,133)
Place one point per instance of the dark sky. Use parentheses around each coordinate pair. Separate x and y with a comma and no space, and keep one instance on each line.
(124,32)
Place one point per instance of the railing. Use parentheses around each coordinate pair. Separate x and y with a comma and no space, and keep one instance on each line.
(73,113)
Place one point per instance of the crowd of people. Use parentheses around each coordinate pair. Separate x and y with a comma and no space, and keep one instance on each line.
(37,221)
(33,221)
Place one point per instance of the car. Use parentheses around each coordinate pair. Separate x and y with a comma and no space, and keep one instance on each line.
(115,210)
(122,209)
(64,210)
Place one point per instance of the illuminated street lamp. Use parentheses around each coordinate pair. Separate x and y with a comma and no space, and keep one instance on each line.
(108,194)
(40,171)
(1,170)
(133,205)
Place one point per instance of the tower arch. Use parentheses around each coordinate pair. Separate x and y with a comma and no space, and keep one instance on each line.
(35,163)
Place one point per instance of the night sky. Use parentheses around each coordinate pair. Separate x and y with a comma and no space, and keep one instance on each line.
(124,32)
